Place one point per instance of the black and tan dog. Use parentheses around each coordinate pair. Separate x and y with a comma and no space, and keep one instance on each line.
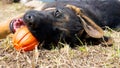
(72,21)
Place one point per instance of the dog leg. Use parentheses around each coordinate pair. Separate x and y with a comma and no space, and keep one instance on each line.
(4,27)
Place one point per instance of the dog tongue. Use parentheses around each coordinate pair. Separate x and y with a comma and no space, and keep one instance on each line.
(16,24)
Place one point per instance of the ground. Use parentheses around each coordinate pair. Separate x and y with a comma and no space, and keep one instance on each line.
(84,56)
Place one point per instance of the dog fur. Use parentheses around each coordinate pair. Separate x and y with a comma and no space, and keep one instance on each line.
(59,21)
(71,22)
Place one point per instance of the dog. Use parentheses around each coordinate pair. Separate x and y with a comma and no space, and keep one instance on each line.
(74,21)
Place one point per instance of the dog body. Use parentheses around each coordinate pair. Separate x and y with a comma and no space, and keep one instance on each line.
(61,22)
(102,12)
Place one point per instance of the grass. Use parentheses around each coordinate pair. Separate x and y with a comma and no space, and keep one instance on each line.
(82,57)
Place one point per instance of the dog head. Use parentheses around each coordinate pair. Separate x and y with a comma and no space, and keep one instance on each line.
(66,21)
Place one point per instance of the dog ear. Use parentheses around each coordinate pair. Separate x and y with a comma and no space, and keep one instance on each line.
(92,29)
(77,10)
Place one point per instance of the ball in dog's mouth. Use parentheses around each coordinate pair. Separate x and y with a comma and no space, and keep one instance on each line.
(23,40)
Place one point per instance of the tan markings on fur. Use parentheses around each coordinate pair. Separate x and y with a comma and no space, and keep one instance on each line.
(67,17)
(90,27)
(80,32)
(50,8)
(77,10)
(107,42)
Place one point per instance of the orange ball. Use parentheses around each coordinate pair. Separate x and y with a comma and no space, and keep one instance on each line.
(23,40)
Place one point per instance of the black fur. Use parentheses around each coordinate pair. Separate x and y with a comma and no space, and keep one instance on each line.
(62,24)
(103,12)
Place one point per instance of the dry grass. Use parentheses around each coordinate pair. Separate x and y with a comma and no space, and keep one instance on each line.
(82,57)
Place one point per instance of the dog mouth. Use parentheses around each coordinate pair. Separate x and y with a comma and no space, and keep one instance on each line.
(16,24)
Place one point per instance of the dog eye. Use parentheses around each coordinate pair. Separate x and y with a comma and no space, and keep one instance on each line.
(30,18)
(58,13)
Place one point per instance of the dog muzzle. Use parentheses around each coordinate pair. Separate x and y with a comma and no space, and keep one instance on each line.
(15,24)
